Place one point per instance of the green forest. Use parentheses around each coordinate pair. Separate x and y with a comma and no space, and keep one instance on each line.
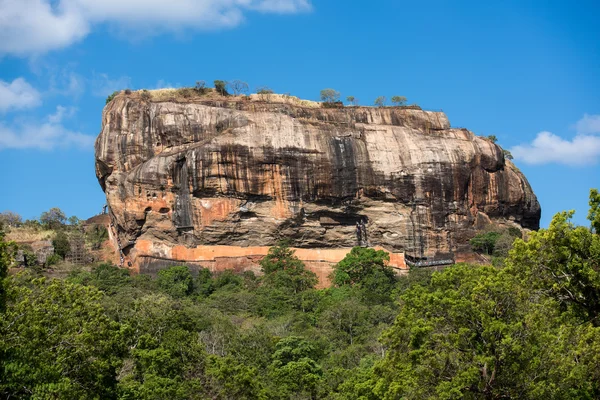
(526,327)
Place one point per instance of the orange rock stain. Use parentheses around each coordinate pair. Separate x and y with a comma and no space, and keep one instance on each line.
(220,258)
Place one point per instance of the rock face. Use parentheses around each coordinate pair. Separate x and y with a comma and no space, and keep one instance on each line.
(193,173)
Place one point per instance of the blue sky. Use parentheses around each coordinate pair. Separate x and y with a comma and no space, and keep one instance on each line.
(525,71)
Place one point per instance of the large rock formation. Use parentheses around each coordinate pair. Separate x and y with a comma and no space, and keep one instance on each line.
(182,175)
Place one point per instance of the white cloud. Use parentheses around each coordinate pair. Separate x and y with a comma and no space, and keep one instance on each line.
(549,148)
(18,95)
(61,114)
(588,124)
(46,136)
(66,83)
(283,6)
(36,26)
(103,85)
(162,84)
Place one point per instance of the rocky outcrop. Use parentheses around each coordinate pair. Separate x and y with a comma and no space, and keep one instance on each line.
(200,172)
(40,249)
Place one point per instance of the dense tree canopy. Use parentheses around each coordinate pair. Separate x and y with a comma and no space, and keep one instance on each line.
(594,214)
(53,218)
(57,342)
(525,328)
(284,270)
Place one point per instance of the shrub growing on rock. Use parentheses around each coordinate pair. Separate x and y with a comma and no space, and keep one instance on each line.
(221,87)
(112,96)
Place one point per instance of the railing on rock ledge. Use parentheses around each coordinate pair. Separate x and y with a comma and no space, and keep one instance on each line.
(428,263)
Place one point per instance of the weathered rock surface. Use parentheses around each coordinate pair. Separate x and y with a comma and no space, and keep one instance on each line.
(241,173)
(41,249)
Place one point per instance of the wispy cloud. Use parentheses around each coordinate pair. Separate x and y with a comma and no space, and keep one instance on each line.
(61,114)
(588,124)
(581,150)
(47,135)
(18,95)
(103,85)
(67,83)
(37,26)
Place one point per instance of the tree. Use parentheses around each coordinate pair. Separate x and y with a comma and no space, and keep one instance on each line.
(176,281)
(74,221)
(352,100)
(594,213)
(283,269)
(57,342)
(238,87)
(235,380)
(294,369)
(507,154)
(398,100)
(330,96)
(7,251)
(109,278)
(10,219)
(480,332)
(221,87)
(170,365)
(200,87)
(492,138)
(62,245)
(380,101)
(563,262)
(54,218)
(485,242)
(96,235)
(361,265)
(345,321)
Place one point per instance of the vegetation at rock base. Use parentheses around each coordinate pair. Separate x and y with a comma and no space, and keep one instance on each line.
(528,328)
(61,244)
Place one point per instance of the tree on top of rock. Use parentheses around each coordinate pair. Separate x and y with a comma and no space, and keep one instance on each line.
(221,87)
(398,100)
(330,96)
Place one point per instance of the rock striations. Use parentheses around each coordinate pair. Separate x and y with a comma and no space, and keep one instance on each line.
(214,181)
